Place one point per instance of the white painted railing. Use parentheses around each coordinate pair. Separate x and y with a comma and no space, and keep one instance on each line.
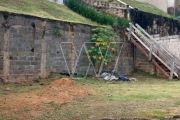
(125,4)
(155,49)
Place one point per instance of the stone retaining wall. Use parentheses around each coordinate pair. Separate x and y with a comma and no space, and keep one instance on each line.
(155,24)
(173,46)
(30,49)
(119,10)
(152,23)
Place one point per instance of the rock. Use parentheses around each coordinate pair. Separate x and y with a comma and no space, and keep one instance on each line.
(7,89)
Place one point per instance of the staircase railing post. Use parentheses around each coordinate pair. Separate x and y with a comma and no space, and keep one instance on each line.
(172,71)
(130,30)
(150,52)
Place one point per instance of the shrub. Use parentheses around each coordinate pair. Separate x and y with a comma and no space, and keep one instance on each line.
(94,15)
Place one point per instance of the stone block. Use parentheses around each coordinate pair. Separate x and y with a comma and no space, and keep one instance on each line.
(30,58)
(1,67)
(37,58)
(19,62)
(29,67)
(35,63)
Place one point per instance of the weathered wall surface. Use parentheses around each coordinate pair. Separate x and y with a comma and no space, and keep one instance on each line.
(155,24)
(171,43)
(1,50)
(29,48)
(142,63)
(119,10)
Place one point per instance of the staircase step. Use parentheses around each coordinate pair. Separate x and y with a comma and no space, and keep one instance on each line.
(154,60)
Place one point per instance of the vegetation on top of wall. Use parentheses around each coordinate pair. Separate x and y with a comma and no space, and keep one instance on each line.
(142,7)
(43,9)
(94,15)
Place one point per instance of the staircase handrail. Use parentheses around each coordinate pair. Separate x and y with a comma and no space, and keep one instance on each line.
(125,4)
(147,48)
(148,42)
(177,61)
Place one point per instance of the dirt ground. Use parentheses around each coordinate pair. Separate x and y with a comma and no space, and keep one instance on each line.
(90,99)
(60,91)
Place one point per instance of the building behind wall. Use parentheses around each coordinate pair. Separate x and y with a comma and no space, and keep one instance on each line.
(161,4)
(57,1)
(171,7)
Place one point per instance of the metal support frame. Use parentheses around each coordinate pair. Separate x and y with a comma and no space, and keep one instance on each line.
(84,46)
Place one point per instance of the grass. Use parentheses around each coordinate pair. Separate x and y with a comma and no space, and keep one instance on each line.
(43,9)
(150,97)
(25,87)
(144,7)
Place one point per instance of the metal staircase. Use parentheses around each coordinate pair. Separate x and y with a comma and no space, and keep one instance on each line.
(157,54)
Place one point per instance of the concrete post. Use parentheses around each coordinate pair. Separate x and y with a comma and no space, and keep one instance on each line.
(6,63)
(128,12)
(43,73)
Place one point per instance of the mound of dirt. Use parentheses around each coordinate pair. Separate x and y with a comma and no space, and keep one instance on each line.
(59,91)
(62,90)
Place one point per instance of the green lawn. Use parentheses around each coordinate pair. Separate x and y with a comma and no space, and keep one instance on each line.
(150,97)
(43,9)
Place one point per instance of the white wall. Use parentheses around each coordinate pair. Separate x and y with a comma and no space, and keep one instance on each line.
(170,3)
(161,4)
(57,1)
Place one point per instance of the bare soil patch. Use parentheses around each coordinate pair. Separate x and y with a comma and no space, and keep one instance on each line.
(59,91)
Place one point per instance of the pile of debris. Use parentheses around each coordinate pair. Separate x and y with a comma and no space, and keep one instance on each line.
(115,76)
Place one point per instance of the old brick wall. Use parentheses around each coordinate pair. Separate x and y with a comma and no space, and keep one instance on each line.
(142,63)
(170,43)
(119,9)
(29,48)
(76,34)
(153,24)
(2,31)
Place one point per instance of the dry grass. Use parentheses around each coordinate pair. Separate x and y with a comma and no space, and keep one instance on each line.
(150,97)
(43,9)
